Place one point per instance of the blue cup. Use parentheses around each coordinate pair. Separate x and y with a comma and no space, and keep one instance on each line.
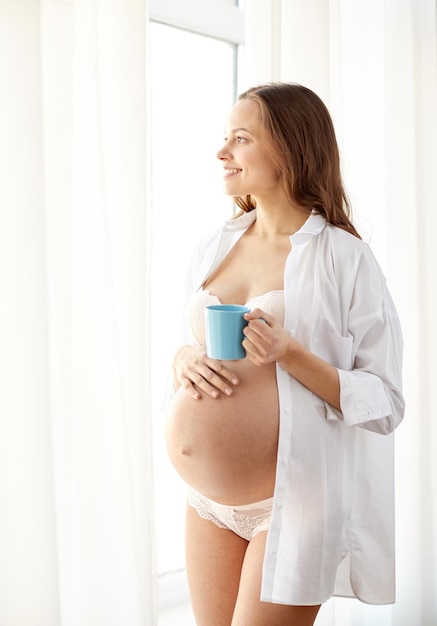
(224,325)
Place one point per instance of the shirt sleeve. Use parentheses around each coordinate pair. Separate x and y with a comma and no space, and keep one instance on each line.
(371,390)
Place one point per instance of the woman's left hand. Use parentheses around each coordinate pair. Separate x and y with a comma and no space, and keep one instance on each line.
(266,341)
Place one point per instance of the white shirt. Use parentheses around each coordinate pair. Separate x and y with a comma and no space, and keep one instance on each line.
(332,528)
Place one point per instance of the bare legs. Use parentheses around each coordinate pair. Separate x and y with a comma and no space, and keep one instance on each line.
(224,576)
(214,559)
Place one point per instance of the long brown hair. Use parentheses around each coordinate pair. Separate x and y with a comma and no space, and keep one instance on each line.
(300,131)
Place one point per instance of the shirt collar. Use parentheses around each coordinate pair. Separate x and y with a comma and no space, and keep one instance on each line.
(242,222)
(313,226)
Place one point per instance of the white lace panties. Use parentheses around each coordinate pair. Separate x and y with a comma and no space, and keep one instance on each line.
(245,520)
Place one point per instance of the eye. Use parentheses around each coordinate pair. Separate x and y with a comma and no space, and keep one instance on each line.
(240,139)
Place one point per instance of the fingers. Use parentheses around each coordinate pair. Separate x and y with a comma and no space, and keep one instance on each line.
(262,316)
(263,337)
(191,389)
(209,376)
(258,348)
(216,379)
(260,325)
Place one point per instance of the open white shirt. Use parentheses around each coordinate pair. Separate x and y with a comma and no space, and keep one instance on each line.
(332,529)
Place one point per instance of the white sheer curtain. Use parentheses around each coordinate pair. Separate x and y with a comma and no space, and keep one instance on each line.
(375,64)
(76,544)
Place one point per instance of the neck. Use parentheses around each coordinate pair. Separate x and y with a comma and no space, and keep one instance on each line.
(284,219)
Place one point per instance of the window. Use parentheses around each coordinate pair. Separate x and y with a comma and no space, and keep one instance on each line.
(194,83)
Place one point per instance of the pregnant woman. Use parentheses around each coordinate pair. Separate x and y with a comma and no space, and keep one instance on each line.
(287,453)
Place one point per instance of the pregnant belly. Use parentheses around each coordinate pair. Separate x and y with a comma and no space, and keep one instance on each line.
(226,447)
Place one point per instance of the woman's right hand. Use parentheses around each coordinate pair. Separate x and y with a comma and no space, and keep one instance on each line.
(196,372)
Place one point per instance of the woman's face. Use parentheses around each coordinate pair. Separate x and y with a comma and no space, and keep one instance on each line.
(246,158)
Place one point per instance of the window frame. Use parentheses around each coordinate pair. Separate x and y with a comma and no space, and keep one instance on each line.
(226,22)
(211,18)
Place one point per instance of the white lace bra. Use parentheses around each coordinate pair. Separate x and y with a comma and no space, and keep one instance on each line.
(271,302)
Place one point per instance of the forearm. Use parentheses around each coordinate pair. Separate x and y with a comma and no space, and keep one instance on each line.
(317,375)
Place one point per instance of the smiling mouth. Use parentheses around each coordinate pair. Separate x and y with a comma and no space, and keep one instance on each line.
(231,171)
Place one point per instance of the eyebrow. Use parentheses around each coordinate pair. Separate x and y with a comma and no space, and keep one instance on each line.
(236,130)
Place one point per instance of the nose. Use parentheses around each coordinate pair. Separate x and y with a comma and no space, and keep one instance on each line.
(223,153)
